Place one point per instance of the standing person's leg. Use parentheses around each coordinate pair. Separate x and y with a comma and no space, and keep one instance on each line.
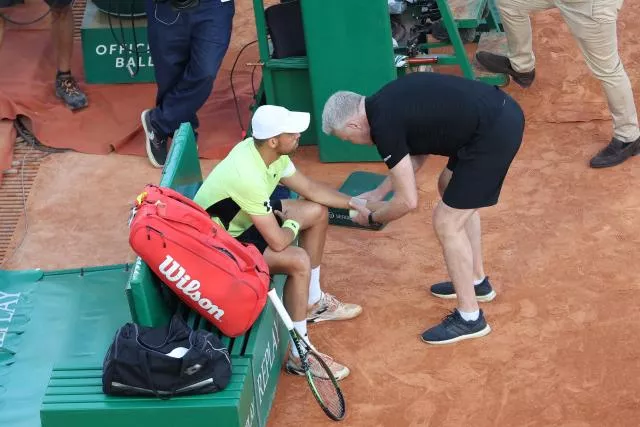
(483,290)
(66,86)
(169,45)
(210,24)
(520,63)
(478,176)
(314,221)
(594,27)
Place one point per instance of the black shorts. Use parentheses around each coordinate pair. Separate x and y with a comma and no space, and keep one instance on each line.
(9,3)
(252,235)
(479,168)
(58,4)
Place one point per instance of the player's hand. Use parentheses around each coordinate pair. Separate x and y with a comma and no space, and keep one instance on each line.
(357,204)
(282,215)
(373,196)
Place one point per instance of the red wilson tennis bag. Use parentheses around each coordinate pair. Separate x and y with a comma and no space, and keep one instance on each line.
(225,281)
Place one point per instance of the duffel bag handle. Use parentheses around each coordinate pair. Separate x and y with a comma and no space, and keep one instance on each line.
(201,222)
(173,194)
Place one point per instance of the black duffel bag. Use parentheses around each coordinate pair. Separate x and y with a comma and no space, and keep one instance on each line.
(173,360)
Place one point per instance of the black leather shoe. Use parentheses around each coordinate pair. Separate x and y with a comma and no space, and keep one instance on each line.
(501,64)
(615,153)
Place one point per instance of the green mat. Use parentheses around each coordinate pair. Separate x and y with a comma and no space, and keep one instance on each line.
(47,317)
(357,183)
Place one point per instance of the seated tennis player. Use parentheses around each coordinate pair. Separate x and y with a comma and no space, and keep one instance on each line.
(237,195)
(479,128)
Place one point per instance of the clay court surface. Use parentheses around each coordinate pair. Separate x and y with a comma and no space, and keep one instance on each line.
(561,248)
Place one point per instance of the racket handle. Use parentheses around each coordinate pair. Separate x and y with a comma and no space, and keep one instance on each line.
(275,300)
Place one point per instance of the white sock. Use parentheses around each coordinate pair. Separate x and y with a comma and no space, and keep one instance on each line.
(477,282)
(470,317)
(301,327)
(314,286)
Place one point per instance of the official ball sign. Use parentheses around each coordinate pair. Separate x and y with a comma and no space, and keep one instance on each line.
(113,51)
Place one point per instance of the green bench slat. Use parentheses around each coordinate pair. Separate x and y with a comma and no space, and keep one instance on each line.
(467,13)
(69,390)
(72,401)
(209,399)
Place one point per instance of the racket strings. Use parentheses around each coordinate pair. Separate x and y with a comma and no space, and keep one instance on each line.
(329,394)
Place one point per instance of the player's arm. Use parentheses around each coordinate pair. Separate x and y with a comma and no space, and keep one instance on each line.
(320,192)
(278,238)
(253,200)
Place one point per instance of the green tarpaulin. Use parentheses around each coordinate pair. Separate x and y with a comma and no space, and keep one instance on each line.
(48,318)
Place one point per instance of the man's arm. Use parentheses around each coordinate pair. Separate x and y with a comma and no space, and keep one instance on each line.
(405,198)
(278,238)
(386,186)
(319,192)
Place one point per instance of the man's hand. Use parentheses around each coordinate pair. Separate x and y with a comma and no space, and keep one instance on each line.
(360,205)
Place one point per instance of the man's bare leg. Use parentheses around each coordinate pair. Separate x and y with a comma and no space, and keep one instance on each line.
(449,224)
(314,221)
(468,320)
(295,263)
(67,88)
(472,228)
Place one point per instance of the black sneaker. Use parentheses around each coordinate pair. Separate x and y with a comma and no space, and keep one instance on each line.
(155,143)
(615,153)
(484,291)
(454,328)
(69,92)
(501,64)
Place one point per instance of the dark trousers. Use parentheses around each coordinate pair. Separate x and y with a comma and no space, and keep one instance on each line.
(187,48)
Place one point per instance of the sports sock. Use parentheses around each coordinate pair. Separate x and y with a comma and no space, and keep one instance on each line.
(470,317)
(314,286)
(301,327)
(477,282)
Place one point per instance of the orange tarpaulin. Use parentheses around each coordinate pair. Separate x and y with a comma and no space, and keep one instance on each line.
(112,120)
(564,90)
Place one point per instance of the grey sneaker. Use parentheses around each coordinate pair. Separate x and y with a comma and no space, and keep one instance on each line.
(69,92)
(454,328)
(339,371)
(156,144)
(329,308)
(484,291)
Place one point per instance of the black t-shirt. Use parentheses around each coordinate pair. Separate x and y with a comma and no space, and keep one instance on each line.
(429,113)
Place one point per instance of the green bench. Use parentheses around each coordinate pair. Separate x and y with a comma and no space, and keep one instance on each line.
(74,396)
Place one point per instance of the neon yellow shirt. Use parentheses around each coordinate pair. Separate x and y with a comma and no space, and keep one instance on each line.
(241,185)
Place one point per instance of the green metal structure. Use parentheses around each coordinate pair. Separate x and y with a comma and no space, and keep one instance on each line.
(349,47)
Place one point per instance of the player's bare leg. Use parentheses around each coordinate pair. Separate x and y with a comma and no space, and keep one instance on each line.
(314,221)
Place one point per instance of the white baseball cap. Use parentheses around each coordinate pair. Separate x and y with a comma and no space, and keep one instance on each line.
(271,120)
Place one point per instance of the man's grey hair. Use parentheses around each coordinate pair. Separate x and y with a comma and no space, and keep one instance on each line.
(339,109)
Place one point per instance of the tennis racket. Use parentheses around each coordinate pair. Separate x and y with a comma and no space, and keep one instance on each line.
(322,383)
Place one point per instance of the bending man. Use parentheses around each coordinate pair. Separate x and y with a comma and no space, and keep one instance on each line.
(479,128)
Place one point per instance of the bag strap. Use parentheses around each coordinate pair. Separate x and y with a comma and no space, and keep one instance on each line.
(152,384)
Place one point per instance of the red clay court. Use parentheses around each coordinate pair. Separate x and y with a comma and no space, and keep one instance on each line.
(561,247)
